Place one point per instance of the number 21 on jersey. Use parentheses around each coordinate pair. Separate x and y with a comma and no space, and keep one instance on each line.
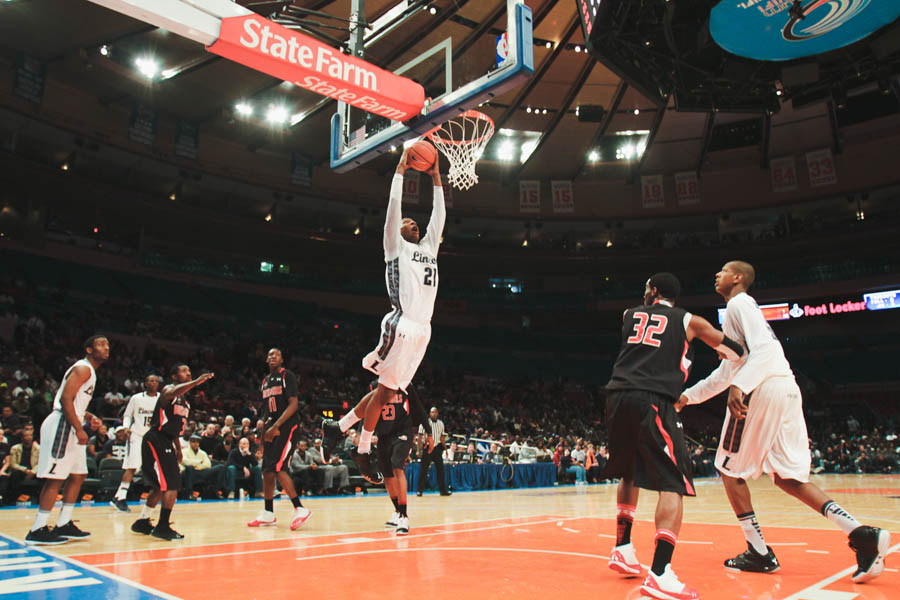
(647,335)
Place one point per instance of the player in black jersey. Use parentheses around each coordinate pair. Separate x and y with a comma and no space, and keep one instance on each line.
(161,452)
(646,441)
(395,430)
(279,393)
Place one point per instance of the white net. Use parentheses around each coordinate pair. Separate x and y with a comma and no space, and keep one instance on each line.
(462,141)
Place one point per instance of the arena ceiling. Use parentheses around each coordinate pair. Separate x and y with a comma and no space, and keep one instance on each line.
(575,108)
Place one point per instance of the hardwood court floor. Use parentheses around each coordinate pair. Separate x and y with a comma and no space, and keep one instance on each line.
(530,543)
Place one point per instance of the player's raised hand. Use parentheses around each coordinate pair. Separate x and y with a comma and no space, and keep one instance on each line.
(736,403)
(435,171)
(402,165)
(205,377)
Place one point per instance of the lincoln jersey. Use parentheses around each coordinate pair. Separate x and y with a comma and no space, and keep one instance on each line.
(139,412)
(411,275)
(84,394)
(655,354)
(170,419)
(277,389)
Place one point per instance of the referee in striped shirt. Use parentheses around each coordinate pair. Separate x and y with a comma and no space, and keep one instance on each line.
(436,454)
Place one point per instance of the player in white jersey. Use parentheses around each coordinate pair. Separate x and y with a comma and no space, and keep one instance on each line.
(412,279)
(136,422)
(766,432)
(63,446)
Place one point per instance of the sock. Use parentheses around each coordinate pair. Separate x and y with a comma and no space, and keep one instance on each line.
(365,441)
(40,520)
(401,508)
(122,492)
(665,546)
(164,514)
(753,533)
(396,505)
(840,517)
(65,515)
(146,511)
(624,520)
(296,502)
(270,505)
(348,420)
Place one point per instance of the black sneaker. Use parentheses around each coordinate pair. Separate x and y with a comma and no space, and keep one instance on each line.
(754,562)
(368,471)
(870,545)
(119,505)
(44,537)
(166,533)
(70,531)
(331,434)
(142,526)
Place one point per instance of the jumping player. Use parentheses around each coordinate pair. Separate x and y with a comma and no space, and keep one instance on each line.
(279,394)
(646,440)
(63,454)
(412,279)
(161,452)
(766,432)
(136,421)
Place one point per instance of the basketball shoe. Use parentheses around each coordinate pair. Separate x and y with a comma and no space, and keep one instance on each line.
(263,519)
(403,526)
(754,562)
(331,433)
(366,469)
(70,531)
(143,526)
(624,560)
(667,586)
(301,516)
(870,545)
(392,522)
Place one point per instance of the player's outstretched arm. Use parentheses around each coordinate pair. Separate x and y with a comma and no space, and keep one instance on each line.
(712,337)
(394,216)
(172,391)
(438,210)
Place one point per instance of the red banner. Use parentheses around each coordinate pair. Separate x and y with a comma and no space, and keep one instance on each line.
(270,48)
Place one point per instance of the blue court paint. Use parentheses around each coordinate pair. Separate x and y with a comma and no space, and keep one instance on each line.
(34,572)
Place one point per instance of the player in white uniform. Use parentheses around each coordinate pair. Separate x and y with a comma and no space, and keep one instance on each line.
(63,446)
(136,422)
(412,280)
(766,432)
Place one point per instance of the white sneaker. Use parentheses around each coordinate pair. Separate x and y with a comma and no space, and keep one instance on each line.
(392,522)
(263,519)
(624,560)
(301,516)
(403,526)
(667,586)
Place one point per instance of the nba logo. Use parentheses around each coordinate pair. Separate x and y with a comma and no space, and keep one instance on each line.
(502,49)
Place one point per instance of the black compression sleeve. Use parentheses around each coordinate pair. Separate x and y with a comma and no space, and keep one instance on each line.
(733,345)
(416,411)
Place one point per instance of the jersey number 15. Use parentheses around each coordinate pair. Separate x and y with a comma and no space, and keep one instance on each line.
(646,335)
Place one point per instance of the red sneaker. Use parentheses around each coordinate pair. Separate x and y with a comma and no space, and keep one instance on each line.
(667,586)
(263,519)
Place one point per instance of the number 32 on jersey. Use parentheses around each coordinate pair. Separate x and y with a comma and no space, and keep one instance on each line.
(647,335)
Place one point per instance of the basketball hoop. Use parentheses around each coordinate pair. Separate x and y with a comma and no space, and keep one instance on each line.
(462,141)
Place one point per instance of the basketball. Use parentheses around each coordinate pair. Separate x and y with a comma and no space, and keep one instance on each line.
(421,156)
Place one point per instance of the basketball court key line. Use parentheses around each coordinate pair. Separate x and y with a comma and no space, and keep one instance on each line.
(810,592)
(459,549)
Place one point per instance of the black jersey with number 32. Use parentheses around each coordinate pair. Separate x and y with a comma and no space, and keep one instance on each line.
(170,419)
(655,354)
(277,388)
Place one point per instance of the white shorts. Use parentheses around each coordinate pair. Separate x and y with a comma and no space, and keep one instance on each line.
(400,351)
(132,458)
(771,439)
(61,454)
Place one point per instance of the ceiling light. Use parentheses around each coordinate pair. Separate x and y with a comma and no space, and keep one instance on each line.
(65,166)
(528,110)
(356,231)
(637,111)
(147,67)
(172,196)
(545,111)
(594,156)
(524,243)
(432,10)
(549,44)
(608,245)
(277,115)
(778,92)
(104,50)
(506,151)
(269,218)
(577,48)
(245,109)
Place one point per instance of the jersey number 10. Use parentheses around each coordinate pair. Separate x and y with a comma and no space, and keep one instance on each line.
(646,335)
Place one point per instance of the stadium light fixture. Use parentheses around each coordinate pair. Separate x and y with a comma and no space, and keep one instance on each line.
(244,109)
(594,156)
(147,66)
(104,50)
(277,114)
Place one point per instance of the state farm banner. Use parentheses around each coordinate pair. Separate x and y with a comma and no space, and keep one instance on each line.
(292,56)
(530,196)
(563,197)
(784,174)
(652,193)
(820,165)
(687,188)
(411,181)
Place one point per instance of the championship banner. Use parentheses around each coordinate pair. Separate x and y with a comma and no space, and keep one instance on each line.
(270,48)
(784,174)
(563,196)
(652,193)
(186,139)
(820,165)
(142,125)
(687,188)
(301,170)
(29,78)
(411,186)
(530,196)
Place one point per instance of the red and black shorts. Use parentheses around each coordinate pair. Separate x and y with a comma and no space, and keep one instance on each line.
(159,462)
(392,451)
(277,453)
(646,442)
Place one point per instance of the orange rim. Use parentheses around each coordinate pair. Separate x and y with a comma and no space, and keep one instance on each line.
(472,114)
